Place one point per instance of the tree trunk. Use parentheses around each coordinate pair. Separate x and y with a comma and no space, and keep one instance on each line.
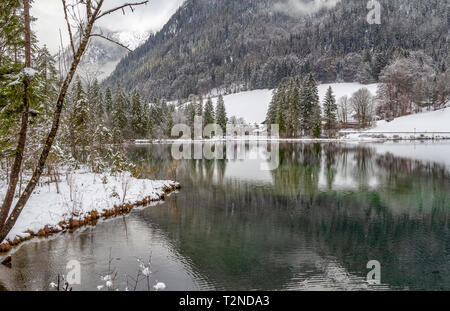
(6,228)
(17,166)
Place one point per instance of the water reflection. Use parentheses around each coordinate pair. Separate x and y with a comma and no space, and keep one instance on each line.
(344,204)
(313,223)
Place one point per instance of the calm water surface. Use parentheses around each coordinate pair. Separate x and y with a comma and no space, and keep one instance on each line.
(313,223)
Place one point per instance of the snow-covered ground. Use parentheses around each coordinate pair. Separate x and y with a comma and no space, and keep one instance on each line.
(427,124)
(253,105)
(79,193)
(426,152)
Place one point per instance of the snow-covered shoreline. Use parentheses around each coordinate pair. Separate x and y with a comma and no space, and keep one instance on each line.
(353,137)
(420,126)
(428,125)
(81,198)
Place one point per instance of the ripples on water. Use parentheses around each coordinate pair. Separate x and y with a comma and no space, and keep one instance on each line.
(312,224)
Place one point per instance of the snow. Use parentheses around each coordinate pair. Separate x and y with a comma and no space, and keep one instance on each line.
(80,192)
(131,39)
(15,82)
(436,121)
(159,286)
(429,124)
(253,105)
(146,271)
(29,72)
(345,89)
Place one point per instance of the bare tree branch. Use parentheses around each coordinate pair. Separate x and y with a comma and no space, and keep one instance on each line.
(88,9)
(130,5)
(111,40)
(69,28)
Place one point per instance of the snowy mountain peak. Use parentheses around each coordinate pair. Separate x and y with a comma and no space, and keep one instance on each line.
(102,56)
(131,39)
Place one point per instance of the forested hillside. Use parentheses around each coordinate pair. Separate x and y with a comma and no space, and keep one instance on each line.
(246,44)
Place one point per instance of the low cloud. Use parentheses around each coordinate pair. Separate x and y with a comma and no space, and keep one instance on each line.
(303,7)
(50,19)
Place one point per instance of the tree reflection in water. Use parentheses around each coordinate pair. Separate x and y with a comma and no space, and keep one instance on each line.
(333,201)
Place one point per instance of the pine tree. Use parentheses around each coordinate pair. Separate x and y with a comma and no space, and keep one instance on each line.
(96,102)
(45,65)
(190,116)
(169,120)
(330,112)
(294,108)
(78,122)
(305,108)
(119,115)
(310,108)
(148,120)
(283,117)
(280,120)
(137,116)
(221,114)
(317,113)
(272,111)
(191,113)
(199,107)
(209,112)
(108,102)
(317,125)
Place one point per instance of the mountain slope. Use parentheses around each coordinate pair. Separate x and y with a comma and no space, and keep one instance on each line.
(248,44)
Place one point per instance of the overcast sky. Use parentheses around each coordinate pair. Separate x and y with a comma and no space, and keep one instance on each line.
(50,18)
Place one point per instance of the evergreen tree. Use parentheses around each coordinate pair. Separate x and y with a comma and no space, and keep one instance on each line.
(317,125)
(208,114)
(283,118)
(96,102)
(309,107)
(271,116)
(280,120)
(221,114)
(78,121)
(285,109)
(294,110)
(45,65)
(108,102)
(148,120)
(199,107)
(330,112)
(169,120)
(119,115)
(156,114)
(191,113)
(209,117)
(137,116)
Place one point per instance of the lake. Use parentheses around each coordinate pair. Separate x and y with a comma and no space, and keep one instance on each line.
(311,224)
